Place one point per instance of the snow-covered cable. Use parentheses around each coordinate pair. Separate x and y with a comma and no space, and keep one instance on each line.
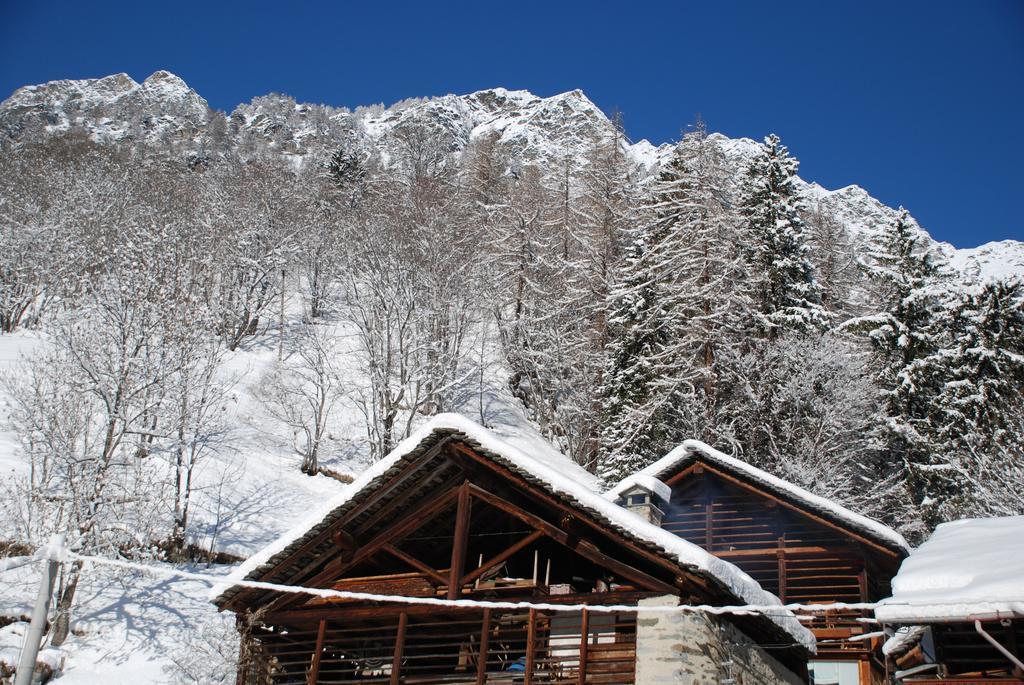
(742,609)
(768,609)
(14,562)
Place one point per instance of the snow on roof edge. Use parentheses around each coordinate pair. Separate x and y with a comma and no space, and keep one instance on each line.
(731,577)
(691,448)
(960,612)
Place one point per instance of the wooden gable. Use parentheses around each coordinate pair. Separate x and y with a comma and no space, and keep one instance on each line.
(790,549)
(452,517)
(738,521)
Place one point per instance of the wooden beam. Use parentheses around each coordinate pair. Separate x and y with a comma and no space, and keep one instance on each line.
(403,497)
(438,577)
(600,528)
(696,467)
(502,556)
(583,548)
(309,616)
(373,498)
(396,661)
(584,644)
(709,524)
(460,541)
(531,647)
(481,657)
(354,613)
(782,568)
(591,552)
(392,534)
(791,552)
(314,667)
(532,520)
(344,540)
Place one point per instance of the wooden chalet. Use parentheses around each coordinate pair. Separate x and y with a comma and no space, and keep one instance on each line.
(453,513)
(801,547)
(957,611)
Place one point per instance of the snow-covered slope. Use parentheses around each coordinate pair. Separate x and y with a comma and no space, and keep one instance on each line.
(132,628)
(1001,259)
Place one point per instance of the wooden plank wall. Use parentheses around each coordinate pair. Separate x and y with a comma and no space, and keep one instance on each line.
(791,556)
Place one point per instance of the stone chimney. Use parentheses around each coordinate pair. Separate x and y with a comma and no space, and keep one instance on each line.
(646,497)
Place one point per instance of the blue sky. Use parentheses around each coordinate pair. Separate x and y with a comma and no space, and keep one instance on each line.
(919,102)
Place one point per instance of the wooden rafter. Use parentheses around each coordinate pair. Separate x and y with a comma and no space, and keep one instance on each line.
(502,556)
(310,545)
(460,541)
(400,500)
(581,547)
(438,577)
(400,529)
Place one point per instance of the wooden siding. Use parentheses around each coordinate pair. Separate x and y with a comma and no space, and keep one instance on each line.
(792,555)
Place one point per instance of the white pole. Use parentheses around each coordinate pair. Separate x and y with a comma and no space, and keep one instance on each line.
(30,649)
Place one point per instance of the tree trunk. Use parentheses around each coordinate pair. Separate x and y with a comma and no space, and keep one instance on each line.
(62,621)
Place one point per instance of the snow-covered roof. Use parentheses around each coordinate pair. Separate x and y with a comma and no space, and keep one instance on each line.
(686,554)
(694,450)
(973,568)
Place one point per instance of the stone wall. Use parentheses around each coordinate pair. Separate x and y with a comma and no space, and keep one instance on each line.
(699,649)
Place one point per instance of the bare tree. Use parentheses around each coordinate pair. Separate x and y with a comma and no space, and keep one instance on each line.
(256,220)
(301,390)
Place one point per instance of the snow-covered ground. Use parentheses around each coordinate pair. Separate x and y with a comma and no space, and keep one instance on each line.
(129,628)
(132,629)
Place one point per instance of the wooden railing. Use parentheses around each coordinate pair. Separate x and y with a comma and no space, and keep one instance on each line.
(467,648)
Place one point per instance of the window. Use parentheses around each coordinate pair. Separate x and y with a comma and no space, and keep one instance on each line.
(834,673)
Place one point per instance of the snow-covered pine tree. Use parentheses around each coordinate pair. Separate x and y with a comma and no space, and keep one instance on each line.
(788,296)
(711,296)
(640,389)
(903,333)
(634,418)
(976,419)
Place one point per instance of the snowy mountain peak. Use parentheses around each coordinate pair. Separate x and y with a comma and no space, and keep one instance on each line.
(168,83)
(109,108)
(495,99)
(549,131)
